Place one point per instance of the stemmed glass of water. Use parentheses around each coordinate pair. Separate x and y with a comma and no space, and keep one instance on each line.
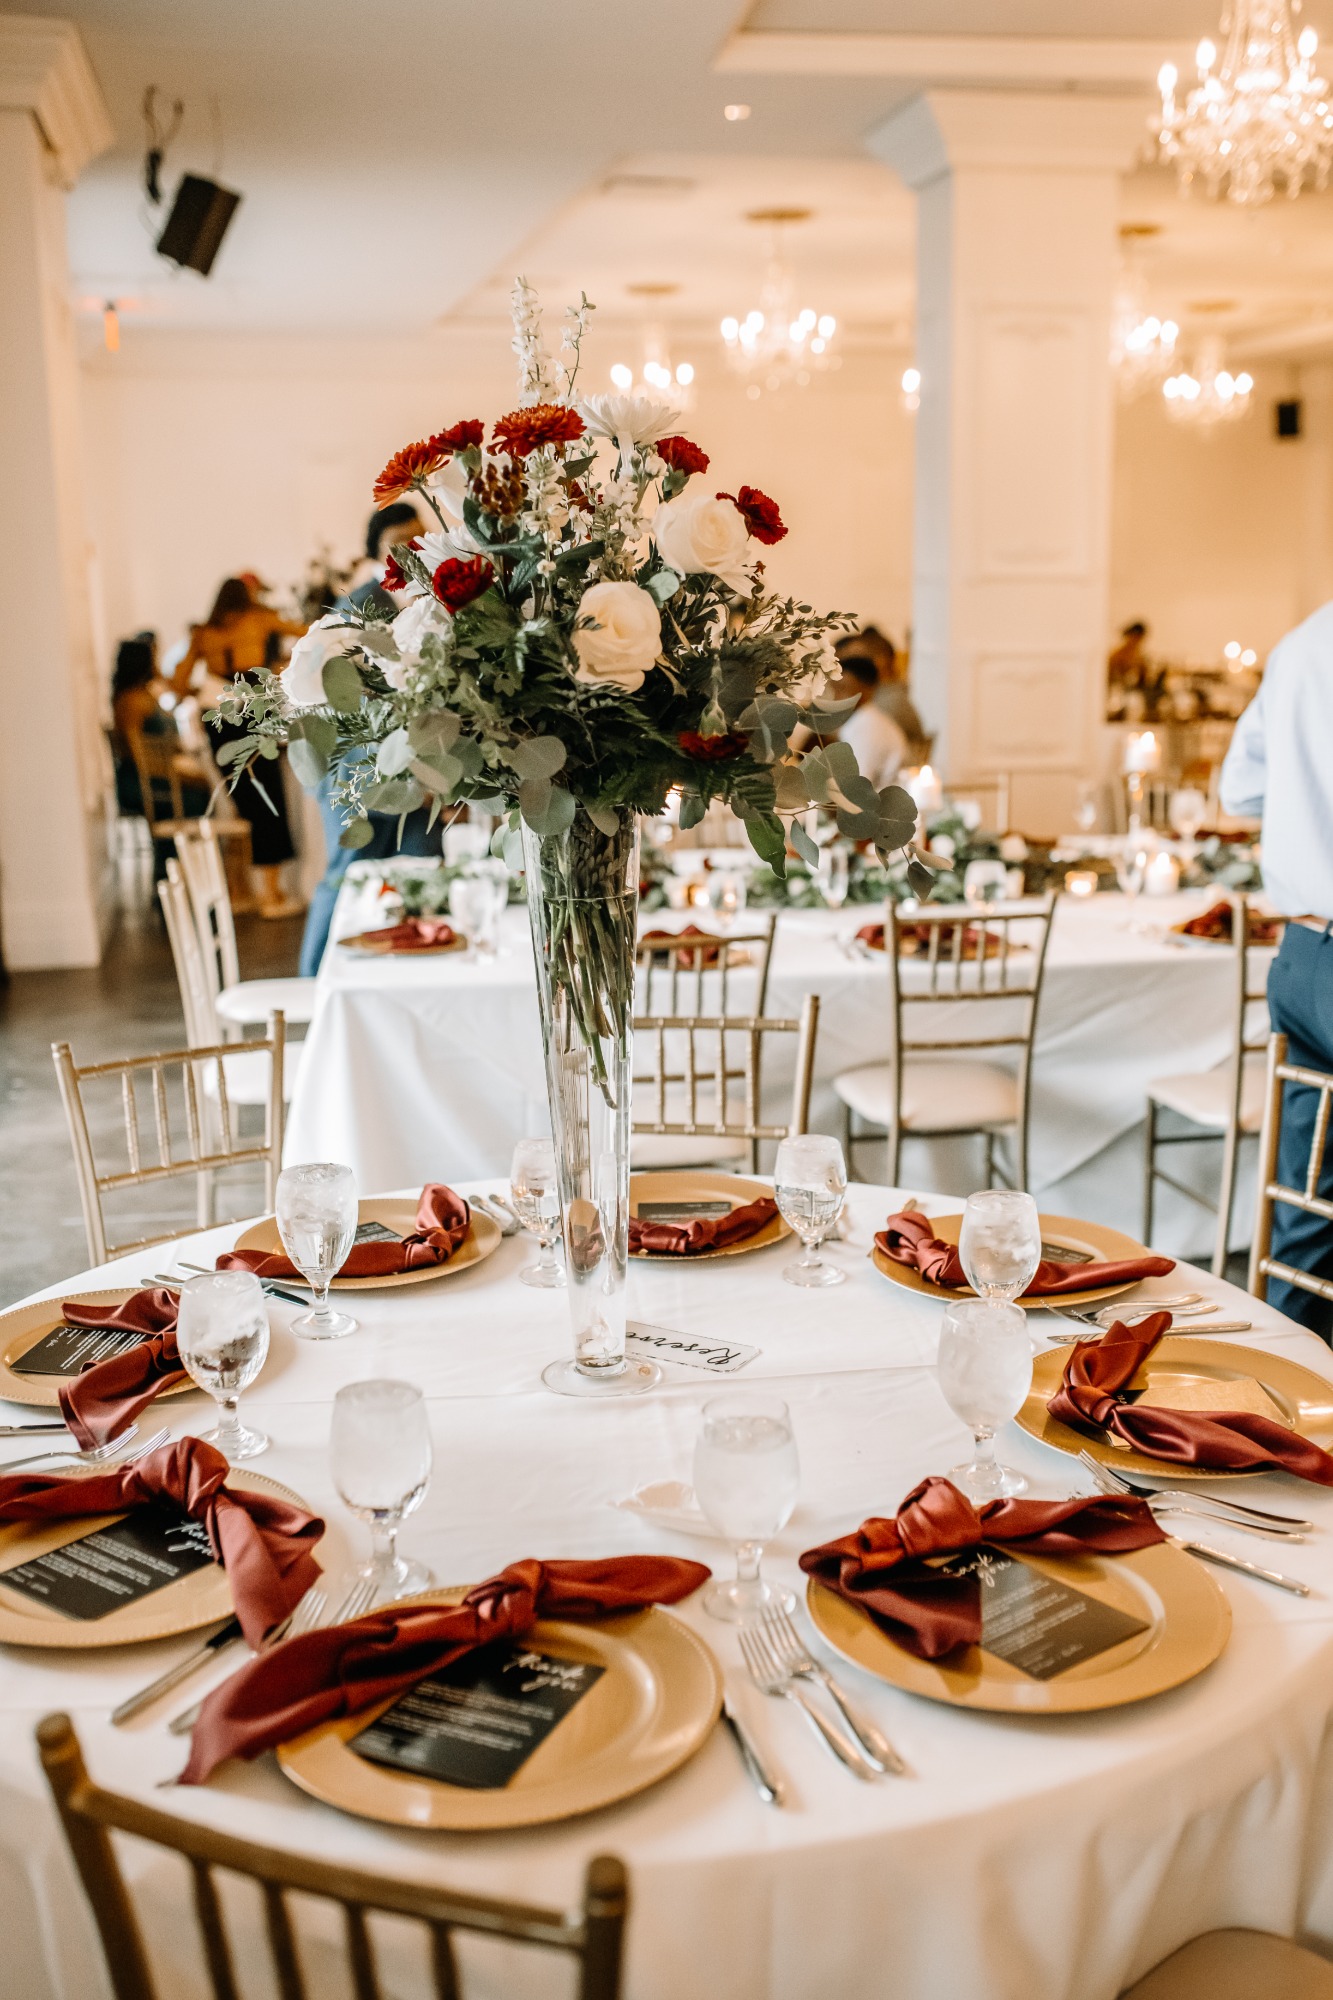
(535,1193)
(985,1372)
(222,1334)
(746,1476)
(317,1214)
(834,874)
(380,1450)
(1000,1243)
(475,903)
(810,1183)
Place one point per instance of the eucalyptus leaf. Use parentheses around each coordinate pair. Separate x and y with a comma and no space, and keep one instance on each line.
(343,685)
(603,819)
(394,754)
(357,833)
(663,586)
(692,810)
(792,792)
(538,757)
(920,880)
(547,808)
(434,732)
(308,762)
(441,775)
(319,730)
(803,844)
(394,795)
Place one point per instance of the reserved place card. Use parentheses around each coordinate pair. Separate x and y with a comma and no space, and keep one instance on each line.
(663,1343)
(115,1566)
(1041,1626)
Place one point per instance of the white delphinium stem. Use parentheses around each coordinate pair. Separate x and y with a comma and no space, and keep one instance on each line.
(573,328)
(536,378)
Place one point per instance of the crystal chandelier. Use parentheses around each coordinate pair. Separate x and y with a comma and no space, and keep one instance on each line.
(1258,117)
(1143,347)
(1209,395)
(658,377)
(775,343)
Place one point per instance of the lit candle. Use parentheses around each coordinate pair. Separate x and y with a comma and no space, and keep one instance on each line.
(1162,875)
(1081,881)
(926,790)
(1142,752)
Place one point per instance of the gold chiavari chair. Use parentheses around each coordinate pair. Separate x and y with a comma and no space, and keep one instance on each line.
(1271,1190)
(1237,1965)
(674,975)
(593,1936)
(699,1101)
(235,1000)
(930,1088)
(1223,1104)
(211,1138)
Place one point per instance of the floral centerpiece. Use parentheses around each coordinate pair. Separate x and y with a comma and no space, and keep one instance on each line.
(585,628)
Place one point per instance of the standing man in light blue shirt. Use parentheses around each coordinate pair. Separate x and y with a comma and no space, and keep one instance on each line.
(1280,765)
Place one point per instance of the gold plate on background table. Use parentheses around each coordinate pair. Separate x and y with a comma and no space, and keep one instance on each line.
(482,1238)
(1303,1399)
(373,947)
(1185,1609)
(201,1598)
(22,1328)
(654,1705)
(689,1184)
(1064,1231)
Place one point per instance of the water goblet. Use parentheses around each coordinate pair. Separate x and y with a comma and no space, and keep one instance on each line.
(1131,865)
(535,1193)
(746,1476)
(810,1183)
(380,1453)
(222,1335)
(1086,808)
(834,875)
(1000,1243)
(728,892)
(985,1372)
(472,907)
(317,1214)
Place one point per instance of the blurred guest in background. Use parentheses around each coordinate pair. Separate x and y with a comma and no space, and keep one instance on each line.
(891,690)
(239,637)
(880,744)
(137,711)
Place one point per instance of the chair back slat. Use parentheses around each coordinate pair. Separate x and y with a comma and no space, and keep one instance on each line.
(707,1070)
(593,1936)
(197,996)
(199,854)
(156,760)
(1272,1191)
(694,987)
(130,1108)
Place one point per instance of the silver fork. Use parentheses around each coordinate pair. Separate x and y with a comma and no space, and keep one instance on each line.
(505,1223)
(798,1660)
(770,1678)
(307,1617)
(102,1454)
(1286,1527)
(506,1208)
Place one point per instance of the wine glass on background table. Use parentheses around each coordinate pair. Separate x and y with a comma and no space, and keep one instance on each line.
(985,1371)
(535,1192)
(222,1335)
(810,1184)
(999,1244)
(1187,811)
(834,874)
(380,1454)
(746,1477)
(317,1214)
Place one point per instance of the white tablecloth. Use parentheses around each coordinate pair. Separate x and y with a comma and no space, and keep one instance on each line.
(1022,1860)
(431,1068)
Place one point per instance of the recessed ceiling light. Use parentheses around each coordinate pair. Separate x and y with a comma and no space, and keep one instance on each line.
(733,113)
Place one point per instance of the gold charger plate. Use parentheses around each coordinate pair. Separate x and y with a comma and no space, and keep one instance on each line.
(23,1326)
(201,1598)
(1064,1231)
(373,947)
(1303,1399)
(654,1705)
(1185,1610)
(689,1184)
(483,1237)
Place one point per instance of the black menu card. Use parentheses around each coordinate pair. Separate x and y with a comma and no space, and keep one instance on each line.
(111,1567)
(68,1350)
(375,1232)
(1041,1626)
(477,1722)
(679,1211)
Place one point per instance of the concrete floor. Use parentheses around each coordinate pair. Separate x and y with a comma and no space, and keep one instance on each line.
(128,1005)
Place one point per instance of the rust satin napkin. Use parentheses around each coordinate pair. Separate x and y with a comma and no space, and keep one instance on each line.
(413,934)
(884,1566)
(709,952)
(1226,1440)
(705,1232)
(443,1221)
(264,1543)
(344,1668)
(914,938)
(909,1239)
(99,1404)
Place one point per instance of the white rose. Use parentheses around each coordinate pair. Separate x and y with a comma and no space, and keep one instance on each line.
(619,649)
(330,638)
(409,628)
(696,532)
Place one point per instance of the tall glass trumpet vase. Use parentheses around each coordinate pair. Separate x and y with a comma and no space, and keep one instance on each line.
(583,895)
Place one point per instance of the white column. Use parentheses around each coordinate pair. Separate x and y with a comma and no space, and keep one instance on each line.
(1315,379)
(1016,261)
(52,845)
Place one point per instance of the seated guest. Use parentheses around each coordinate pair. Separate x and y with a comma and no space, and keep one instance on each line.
(891,692)
(137,711)
(880,744)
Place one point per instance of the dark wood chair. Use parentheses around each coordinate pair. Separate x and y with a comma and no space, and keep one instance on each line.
(594,1935)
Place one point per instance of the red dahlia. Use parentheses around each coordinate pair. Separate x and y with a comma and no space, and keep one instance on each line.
(457,583)
(710,749)
(415,462)
(681,455)
(761,514)
(528,430)
(462,437)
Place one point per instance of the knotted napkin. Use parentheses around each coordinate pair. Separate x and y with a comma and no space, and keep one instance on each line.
(342,1669)
(443,1221)
(885,1566)
(1217,922)
(102,1401)
(707,955)
(908,1238)
(413,934)
(263,1542)
(914,938)
(1225,1441)
(702,1232)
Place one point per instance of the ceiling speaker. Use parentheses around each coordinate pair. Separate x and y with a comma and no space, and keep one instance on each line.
(197,223)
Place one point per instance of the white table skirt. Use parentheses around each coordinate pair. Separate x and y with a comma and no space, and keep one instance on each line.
(1023,1860)
(432,1067)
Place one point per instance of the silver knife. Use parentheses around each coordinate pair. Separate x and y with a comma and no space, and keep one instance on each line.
(1227,1561)
(768,1786)
(226,1635)
(30,1430)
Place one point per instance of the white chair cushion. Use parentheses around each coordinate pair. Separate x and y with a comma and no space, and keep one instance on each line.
(937,1096)
(253,1000)
(1205,1097)
(654,1152)
(247,1078)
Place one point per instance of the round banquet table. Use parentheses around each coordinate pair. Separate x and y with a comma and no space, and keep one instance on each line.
(1023,1859)
(427,1067)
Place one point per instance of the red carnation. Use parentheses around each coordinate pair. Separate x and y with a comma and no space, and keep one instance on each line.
(457,583)
(761,514)
(681,455)
(393,575)
(415,462)
(710,749)
(528,430)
